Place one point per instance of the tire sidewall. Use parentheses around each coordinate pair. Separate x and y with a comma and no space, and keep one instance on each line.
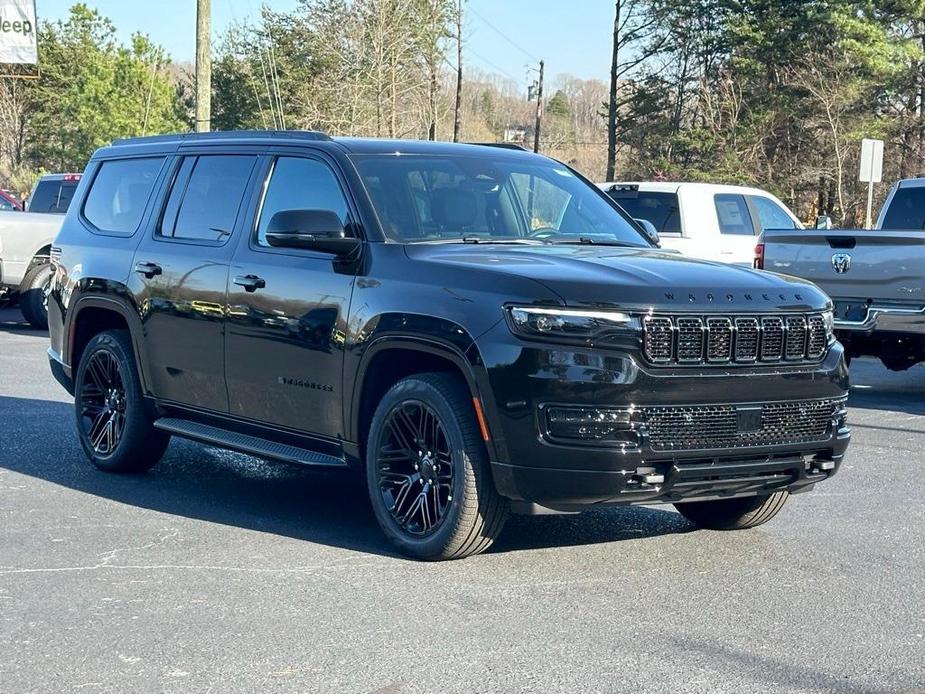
(32,301)
(434,543)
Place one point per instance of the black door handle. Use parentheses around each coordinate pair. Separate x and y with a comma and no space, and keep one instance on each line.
(149,270)
(251,283)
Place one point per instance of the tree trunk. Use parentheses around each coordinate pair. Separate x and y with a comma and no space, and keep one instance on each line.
(457,122)
(612,101)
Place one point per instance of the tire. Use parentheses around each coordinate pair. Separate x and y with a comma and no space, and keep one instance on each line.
(453,477)
(113,423)
(733,514)
(33,296)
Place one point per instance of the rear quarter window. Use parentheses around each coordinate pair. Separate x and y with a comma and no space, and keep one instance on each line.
(119,194)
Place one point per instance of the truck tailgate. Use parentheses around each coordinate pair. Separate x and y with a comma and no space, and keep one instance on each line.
(881,267)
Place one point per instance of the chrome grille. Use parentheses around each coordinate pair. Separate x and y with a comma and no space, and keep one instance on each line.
(707,427)
(734,339)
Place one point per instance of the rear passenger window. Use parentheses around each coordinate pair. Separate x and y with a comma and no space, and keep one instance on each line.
(733,215)
(205,197)
(120,192)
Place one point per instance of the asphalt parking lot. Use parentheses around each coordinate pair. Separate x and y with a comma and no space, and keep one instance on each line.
(219,572)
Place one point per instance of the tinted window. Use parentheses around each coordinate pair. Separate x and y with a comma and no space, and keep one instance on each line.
(906,210)
(490,197)
(6,204)
(659,208)
(733,215)
(205,197)
(53,196)
(119,193)
(300,184)
(771,215)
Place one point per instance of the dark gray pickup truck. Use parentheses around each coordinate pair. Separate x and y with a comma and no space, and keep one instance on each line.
(876,280)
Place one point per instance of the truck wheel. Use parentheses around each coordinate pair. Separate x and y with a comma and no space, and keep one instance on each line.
(427,470)
(113,424)
(33,296)
(733,514)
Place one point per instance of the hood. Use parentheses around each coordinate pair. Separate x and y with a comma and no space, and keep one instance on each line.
(631,278)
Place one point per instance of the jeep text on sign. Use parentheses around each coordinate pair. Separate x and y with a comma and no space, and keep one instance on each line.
(18,32)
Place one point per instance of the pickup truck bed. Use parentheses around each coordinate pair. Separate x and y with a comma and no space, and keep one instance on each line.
(875,278)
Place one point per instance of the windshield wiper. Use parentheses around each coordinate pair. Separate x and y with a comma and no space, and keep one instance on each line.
(588,241)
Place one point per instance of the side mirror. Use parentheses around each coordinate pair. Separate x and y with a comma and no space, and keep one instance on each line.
(651,231)
(823,221)
(313,230)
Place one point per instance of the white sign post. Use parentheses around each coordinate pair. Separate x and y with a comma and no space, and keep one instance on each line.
(18,32)
(871,170)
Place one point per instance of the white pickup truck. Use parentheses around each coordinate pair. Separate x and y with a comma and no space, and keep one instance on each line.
(25,271)
(876,280)
(704,220)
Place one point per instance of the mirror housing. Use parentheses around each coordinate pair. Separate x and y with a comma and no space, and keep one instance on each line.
(312,230)
(823,221)
(650,230)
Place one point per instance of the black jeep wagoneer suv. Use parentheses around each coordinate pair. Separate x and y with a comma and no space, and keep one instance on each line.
(479,329)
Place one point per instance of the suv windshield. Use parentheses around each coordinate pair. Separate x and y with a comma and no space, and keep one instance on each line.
(485,199)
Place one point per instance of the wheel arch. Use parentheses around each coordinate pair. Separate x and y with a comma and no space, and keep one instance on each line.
(389,359)
(91,315)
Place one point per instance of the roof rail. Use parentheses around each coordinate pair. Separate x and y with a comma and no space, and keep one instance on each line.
(226,135)
(501,145)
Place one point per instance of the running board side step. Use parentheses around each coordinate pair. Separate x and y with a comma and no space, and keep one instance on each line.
(252,445)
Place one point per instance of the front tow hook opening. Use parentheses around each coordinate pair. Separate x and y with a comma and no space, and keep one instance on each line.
(648,475)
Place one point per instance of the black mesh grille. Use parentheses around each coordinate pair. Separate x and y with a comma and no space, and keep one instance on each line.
(690,340)
(658,339)
(747,338)
(817,337)
(708,427)
(740,339)
(795,340)
(719,339)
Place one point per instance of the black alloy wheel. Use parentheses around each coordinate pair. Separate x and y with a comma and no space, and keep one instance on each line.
(415,468)
(102,402)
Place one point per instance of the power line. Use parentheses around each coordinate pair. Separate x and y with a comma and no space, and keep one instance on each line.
(507,38)
(494,66)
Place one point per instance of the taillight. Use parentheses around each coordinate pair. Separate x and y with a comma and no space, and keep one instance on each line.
(758,263)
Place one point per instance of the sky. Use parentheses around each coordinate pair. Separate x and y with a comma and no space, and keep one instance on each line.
(572,37)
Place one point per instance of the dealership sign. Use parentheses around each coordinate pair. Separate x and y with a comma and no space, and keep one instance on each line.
(18,32)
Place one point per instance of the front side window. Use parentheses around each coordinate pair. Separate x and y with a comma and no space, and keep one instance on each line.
(205,197)
(489,199)
(119,193)
(733,215)
(300,184)
(771,215)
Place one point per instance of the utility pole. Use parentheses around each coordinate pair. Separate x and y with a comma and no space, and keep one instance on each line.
(612,101)
(203,66)
(539,111)
(457,123)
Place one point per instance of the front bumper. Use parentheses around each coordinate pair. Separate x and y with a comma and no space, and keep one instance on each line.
(524,378)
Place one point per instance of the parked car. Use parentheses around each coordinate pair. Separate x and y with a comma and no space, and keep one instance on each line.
(479,329)
(25,270)
(9,203)
(705,220)
(52,193)
(875,278)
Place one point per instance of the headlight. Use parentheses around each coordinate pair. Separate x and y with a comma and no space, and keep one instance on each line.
(569,324)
